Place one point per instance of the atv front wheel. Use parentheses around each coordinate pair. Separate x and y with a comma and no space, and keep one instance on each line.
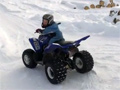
(83,62)
(56,71)
(27,58)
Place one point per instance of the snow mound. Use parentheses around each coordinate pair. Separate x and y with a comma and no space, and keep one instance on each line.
(20,18)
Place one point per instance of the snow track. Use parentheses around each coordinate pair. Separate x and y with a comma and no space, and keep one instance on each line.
(20,18)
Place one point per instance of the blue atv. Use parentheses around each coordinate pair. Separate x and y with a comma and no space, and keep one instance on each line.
(57,57)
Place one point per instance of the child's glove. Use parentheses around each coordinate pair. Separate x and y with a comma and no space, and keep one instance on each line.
(38,30)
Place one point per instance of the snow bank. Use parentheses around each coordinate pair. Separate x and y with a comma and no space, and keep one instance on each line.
(20,18)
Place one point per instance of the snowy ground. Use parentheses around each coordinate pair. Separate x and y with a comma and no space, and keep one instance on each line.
(20,18)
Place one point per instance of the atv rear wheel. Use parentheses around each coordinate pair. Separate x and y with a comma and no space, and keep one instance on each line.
(27,58)
(83,62)
(56,71)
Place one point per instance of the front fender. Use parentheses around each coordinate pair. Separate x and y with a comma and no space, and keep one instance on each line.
(51,47)
(35,44)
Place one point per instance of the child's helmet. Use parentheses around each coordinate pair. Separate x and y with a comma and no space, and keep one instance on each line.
(48,17)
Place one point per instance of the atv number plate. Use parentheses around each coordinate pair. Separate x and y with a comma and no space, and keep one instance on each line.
(36,44)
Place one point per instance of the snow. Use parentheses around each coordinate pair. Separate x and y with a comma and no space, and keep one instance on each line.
(20,18)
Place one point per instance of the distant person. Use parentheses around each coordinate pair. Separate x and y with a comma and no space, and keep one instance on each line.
(118,12)
(50,25)
(117,18)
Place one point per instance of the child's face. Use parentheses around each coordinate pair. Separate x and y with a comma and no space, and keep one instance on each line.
(45,22)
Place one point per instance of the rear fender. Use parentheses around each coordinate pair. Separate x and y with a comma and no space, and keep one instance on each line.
(82,39)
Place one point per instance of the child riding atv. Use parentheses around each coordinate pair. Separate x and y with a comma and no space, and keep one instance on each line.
(50,25)
(57,58)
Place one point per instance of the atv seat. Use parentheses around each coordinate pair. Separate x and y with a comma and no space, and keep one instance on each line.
(62,43)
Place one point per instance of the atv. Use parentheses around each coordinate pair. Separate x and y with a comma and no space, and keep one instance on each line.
(57,57)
